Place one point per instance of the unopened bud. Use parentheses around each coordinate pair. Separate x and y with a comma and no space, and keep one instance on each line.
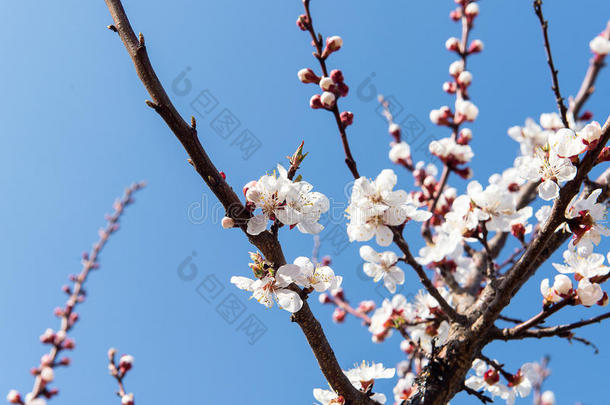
(127,399)
(449,87)
(327,84)
(228,222)
(339,315)
(472,10)
(347,118)
(47,374)
(14,397)
(337,76)
(452,44)
(303,22)
(316,102)
(308,76)
(465,78)
(456,68)
(333,44)
(476,46)
(328,99)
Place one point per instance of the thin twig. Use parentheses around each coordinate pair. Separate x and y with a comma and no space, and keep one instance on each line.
(563,111)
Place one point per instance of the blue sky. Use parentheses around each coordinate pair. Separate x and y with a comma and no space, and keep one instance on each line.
(75,131)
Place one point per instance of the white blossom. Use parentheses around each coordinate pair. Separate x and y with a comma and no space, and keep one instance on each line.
(587,267)
(486,380)
(548,167)
(382,266)
(585,217)
(320,278)
(292,203)
(589,293)
(560,288)
(374,207)
(273,288)
(364,375)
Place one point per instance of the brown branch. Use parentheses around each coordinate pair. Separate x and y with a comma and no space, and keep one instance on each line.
(588,84)
(563,111)
(421,273)
(559,330)
(266,242)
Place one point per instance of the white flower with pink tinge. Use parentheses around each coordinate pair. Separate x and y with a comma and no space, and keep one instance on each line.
(561,288)
(548,167)
(589,293)
(486,378)
(585,221)
(530,137)
(382,266)
(374,207)
(364,375)
(291,203)
(327,397)
(587,267)
(273,288)
(308,275)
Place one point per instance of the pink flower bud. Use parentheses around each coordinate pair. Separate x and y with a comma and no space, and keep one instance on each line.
(452,44)
(47,374)
(126,362)
(327,84)
(339,315)
(227,223)
(338,293)
(14,397)
(342,89)
(456,14)
(316,102)
(449,87)
(464,136)
(127,399)
(476,46)
(65,361)
(58,312)
(472,10)
(366,306)
(456,68)
(328,99)
(394,130)
(303,22)
(333,44)
(48,336)
(308,76)
(465,78)
(46,360)
(337,76)
(69,344)
(326,261)
(347,118)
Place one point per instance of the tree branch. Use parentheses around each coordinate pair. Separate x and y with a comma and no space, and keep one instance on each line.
(563,111)
(266,242)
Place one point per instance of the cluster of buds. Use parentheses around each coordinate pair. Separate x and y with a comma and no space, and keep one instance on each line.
(332,88)
(259,266)
(119,371)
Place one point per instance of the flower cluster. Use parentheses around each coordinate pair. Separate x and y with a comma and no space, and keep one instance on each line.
(281,199)
(362,377)
(382,266)
(374,208)
(274,285)
(422,321)
(119,371)
(487,377)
